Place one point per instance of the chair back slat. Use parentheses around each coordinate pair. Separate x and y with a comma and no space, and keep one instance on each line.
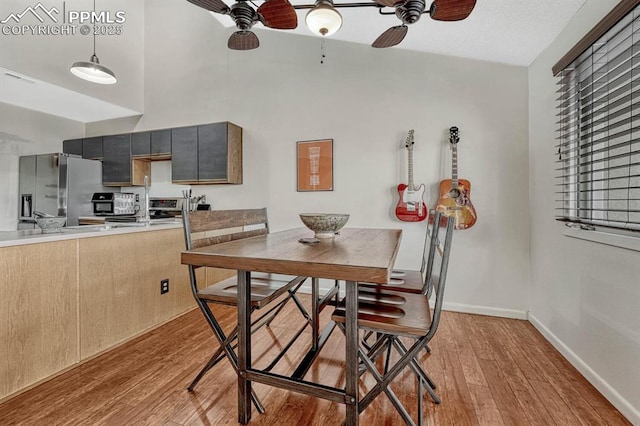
(207,227)
(217,239)
(209,220)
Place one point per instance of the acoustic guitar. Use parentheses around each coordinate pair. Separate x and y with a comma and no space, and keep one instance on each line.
(455,193)
(411,207)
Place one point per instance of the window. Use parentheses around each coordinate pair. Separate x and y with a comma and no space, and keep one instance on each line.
(598,140)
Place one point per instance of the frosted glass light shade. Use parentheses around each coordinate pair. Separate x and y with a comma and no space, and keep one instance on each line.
(94,72)
(324,19)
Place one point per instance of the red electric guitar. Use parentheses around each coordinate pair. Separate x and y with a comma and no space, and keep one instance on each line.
(454,193)
(411,207)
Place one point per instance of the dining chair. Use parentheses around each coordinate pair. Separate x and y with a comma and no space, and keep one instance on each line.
(393,314)
(205,228)
(410,280)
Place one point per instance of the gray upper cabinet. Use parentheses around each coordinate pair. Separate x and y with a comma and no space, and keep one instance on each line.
(141,144)
(161,144)
(118,167)
(92,148)
(184,154)
(212,152)
(72,146)
(202,154)
(210,155)
(153,145)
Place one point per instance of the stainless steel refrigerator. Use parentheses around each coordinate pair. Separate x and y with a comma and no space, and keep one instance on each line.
(57,184)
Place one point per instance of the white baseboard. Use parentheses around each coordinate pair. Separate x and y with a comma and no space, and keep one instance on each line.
(628,410)
(485,310)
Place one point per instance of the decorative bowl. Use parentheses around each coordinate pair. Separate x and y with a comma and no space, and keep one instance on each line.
(324,225)
(50,225)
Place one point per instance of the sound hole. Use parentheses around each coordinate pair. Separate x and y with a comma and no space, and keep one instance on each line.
(454,193)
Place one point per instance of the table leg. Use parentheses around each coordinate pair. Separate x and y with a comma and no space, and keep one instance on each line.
(351,359)
(244,346)
(315,320)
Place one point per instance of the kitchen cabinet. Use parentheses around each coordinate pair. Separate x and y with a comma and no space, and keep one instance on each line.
(184,154)
(207,154)
(90,148)
(154,145)
(161,144)
(65,301)
(118,166)
(38,313)
(141,144)
(72,146)
(120,293)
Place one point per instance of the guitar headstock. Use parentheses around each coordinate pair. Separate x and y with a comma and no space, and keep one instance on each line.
(454,137)
(409,143)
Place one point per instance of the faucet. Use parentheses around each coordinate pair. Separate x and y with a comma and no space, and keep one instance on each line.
(147,214)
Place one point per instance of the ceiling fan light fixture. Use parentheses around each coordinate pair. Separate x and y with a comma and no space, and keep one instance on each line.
(92,71)
(324,19)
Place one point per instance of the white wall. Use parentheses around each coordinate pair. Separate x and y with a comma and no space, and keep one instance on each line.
(24,132)
(366,100)
(584,296)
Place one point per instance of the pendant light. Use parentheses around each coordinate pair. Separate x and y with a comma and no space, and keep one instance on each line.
(93,71)
(324,19)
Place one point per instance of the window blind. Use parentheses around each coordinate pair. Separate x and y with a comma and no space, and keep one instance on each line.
(598,131)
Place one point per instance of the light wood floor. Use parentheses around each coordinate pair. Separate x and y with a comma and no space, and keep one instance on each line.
(489,371)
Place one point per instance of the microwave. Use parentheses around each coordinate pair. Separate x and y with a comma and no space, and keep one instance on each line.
(171,204)
(113,203)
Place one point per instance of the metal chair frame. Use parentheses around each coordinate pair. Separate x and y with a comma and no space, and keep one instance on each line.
(389,336)
(228,343)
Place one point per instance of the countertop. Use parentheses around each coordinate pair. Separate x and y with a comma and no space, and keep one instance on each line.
(34,236)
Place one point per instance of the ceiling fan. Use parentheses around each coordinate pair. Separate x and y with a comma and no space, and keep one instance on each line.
(280,14)
(409,12)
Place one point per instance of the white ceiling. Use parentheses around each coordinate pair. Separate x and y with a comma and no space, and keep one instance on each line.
(30,93)
(506,31)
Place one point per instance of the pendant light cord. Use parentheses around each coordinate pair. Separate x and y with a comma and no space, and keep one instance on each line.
(93,27)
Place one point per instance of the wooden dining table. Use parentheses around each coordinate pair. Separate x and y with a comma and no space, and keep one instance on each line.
(354,255)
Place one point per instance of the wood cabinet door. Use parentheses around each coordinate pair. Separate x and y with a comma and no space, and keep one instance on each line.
(212,152)
(116,164)
(184,154)
(92,148)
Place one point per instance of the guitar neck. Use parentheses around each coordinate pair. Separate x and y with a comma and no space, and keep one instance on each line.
(410,168)
(454,166)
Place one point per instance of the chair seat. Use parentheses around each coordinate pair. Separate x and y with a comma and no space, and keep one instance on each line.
(392,311)
(264,289)
(408,282)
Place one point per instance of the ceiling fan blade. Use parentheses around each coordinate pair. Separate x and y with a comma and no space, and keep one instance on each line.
(389,3)
(278,14)
(391,37)
(217,6)
(243,40)
(451,10)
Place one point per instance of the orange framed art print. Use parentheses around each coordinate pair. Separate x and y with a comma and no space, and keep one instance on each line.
(315,165)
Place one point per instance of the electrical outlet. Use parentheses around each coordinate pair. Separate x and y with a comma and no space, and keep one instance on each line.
(164,286)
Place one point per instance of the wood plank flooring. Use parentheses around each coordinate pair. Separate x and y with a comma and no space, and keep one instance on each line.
(489,371)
